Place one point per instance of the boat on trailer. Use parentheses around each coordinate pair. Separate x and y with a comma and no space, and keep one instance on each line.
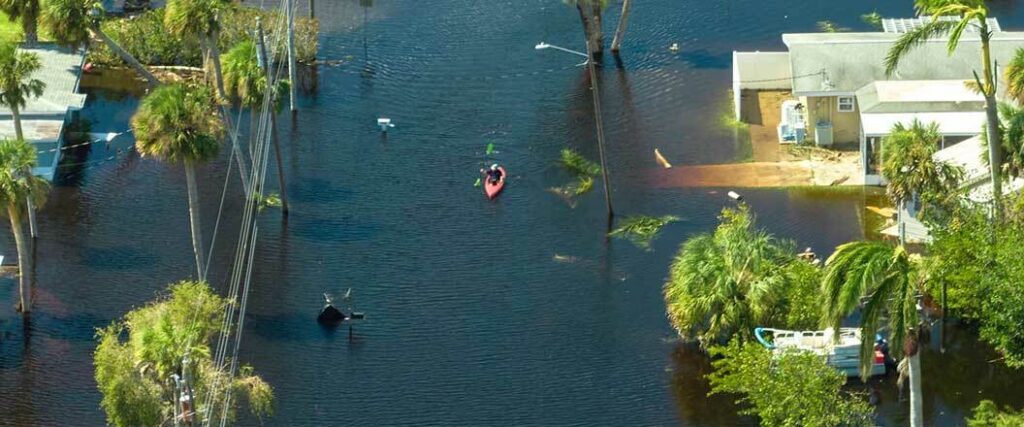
(842,352)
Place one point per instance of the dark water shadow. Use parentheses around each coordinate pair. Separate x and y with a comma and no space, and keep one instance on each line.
(705,59)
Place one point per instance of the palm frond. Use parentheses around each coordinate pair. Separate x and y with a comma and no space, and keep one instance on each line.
(912,39)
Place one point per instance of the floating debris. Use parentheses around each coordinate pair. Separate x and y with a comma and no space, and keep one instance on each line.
(661,159)
(385,124)
(641,230)
(674,47)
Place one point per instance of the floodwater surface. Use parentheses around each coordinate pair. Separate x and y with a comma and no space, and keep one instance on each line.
(514,311)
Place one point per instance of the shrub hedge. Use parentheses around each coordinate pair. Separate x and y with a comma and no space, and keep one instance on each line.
(145,37)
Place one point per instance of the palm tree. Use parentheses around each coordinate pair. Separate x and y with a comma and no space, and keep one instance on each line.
(17,188)
(971,13)
(28,12)
(246,83)
(73,23)
(887,278)
(16,87)
(1012,128)
(178,123)
(727,282)
(620,31)
(16,84)
(200,17)
(910,169)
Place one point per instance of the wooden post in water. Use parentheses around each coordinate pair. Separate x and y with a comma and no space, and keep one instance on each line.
(291,54)
(600,132)
(266,64)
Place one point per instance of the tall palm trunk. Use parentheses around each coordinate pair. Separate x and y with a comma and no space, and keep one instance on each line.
(125,56)
(30,26)
(20,134)
(16,115)
(24,259)
(620,32)
(912,350)
(193,214)
(995,155)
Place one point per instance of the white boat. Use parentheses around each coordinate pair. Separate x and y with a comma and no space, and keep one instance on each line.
(842,353)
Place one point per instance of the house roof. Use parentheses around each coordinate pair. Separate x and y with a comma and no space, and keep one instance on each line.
(897,96)
(970,155)
(61,70)
(845,62)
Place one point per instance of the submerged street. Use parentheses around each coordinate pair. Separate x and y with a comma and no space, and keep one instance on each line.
(513,311)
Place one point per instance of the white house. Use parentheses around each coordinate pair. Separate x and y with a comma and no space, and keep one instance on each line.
(43,118)
(840,80)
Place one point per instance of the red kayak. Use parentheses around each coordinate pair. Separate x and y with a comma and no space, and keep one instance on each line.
(492,190)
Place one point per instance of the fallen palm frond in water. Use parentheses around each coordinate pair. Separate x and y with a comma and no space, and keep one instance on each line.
(271,200)
(578,165)
(582,169)
(641,230)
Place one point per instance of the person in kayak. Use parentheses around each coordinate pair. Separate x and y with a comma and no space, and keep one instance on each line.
(494,174)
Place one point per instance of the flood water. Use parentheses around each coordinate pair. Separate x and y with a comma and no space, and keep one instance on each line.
(473,320)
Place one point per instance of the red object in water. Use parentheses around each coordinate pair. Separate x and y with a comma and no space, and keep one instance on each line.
(87,67)
(492,190)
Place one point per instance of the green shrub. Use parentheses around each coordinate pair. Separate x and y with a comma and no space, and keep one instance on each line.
(145,37)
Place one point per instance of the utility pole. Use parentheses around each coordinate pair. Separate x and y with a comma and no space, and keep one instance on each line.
(312,9)
(600,131)
(291,54)
(188,411)
(266,63)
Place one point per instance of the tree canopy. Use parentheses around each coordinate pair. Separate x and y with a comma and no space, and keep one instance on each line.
(137,356)
(729,282)
(178,123)
(793,388)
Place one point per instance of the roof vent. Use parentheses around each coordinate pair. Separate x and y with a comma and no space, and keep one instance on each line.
(905,25)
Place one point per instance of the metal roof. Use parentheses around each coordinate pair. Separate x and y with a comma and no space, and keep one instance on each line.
(970,155)
(846,62)
(61,71)
(905,25)
(919,96)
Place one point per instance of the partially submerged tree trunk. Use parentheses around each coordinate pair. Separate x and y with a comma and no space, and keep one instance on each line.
(23,259)
(126,57)
(280,167)
(585,20)
(620,32)
(914,375)
(597,31)
(193,214)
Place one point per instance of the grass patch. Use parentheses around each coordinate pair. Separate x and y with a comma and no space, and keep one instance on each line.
(10,31)
(728,121)
(641,230)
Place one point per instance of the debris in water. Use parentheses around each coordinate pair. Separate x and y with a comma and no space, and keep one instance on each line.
(661,159)
(641,230)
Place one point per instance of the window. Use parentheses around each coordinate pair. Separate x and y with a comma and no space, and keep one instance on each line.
(845,104)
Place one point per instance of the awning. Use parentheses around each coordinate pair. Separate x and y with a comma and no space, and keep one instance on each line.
(959,123)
